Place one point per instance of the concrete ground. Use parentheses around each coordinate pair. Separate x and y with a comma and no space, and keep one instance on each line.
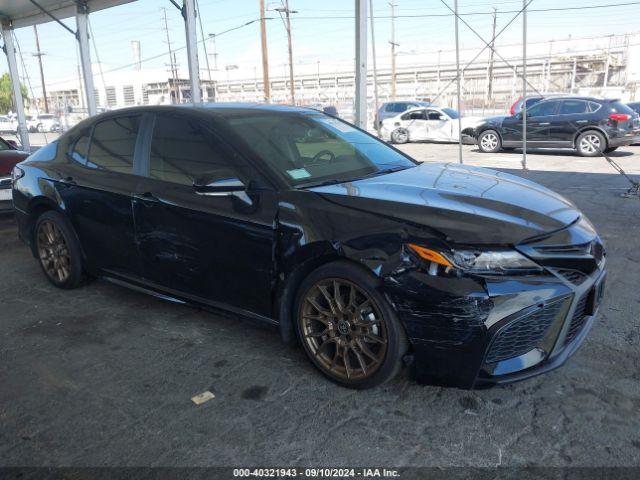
(104,376)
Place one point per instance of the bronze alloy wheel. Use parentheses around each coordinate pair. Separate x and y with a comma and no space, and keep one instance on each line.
(53,252)
(343,329)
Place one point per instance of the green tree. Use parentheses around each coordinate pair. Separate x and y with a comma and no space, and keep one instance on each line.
(6,94)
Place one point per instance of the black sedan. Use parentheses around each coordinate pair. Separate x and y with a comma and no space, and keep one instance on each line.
(588,125)
(301,220)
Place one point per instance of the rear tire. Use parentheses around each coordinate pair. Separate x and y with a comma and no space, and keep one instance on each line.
(400,135)
(591,144)
(58,250)
(489,141)
(347,328)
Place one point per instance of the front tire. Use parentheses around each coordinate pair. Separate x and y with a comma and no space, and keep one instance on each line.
(591,144)
(347,328)
(489,141)
(58,250)
(400,135)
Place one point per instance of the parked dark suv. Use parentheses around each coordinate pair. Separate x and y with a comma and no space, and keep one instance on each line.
(588,125)
(300,220)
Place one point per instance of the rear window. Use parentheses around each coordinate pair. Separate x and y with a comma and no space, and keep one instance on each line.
(619,107)
(80,147)
(571,107)
(113,143)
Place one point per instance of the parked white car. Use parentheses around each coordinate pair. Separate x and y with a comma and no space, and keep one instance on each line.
(8,125)
(426,124)
(45,122)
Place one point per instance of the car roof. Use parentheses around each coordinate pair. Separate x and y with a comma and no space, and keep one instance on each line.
(580,97)
(221,109)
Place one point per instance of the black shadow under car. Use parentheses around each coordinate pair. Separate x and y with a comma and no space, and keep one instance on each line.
(348,246)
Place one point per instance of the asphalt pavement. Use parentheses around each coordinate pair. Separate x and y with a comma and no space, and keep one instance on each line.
(104,376)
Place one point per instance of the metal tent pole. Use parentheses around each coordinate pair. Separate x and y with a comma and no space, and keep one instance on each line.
(455,7)
(361,64)
(189,13)
(15,84)
(375,67)
(82,34)
(524,84)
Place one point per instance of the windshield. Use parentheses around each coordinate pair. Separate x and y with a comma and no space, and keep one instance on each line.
(453,114)
(308,150)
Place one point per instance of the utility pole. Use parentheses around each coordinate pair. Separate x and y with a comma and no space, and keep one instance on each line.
(39,55)
(458,73)
(393,50)
(266,85)
(212,36)
(491,55)
(607,64)
(375,68)
(285,9)
(204,42)
(174,75)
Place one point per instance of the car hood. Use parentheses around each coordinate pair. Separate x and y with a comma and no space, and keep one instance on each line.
(464,204)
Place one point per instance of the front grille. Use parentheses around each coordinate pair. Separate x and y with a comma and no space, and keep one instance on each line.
(574,276)
(524,334)
(578,319)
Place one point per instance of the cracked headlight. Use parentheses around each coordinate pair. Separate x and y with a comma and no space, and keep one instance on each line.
(493,261)
(505,261)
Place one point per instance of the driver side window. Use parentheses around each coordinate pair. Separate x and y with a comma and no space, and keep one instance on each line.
(543,109)
(183,150)
(433,115)
(416,115)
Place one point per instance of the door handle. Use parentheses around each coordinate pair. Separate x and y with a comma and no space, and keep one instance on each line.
(543,124)
(582,121)
(146,197)
(68,180)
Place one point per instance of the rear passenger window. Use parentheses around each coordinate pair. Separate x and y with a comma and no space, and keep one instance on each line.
(594,107)
(571,107)
(183,150)
(113,143)
(79,149)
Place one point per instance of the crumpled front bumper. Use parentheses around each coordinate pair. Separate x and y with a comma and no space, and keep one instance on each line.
(476,332)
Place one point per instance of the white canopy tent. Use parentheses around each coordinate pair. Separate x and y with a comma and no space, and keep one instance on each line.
(22,13)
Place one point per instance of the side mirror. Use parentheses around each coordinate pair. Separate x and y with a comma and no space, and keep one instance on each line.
(219,187)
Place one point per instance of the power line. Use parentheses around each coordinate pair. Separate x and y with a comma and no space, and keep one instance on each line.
(435,15)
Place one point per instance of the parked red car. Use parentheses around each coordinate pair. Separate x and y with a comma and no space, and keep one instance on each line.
(9,157)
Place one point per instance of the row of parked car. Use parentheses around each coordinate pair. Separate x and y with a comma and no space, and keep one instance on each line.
(45,122)
(588,125)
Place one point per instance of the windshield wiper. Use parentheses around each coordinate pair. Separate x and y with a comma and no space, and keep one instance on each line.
(334,181)
(384,172)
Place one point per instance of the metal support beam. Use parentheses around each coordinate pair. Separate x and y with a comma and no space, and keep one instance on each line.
(189,10)
(82,34)
(361,64)
(10,50)
(458,81)
(524,84)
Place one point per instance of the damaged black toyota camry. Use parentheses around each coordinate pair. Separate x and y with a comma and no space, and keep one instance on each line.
(352,249)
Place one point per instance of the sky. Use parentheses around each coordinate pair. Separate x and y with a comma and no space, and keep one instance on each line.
(323,34)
